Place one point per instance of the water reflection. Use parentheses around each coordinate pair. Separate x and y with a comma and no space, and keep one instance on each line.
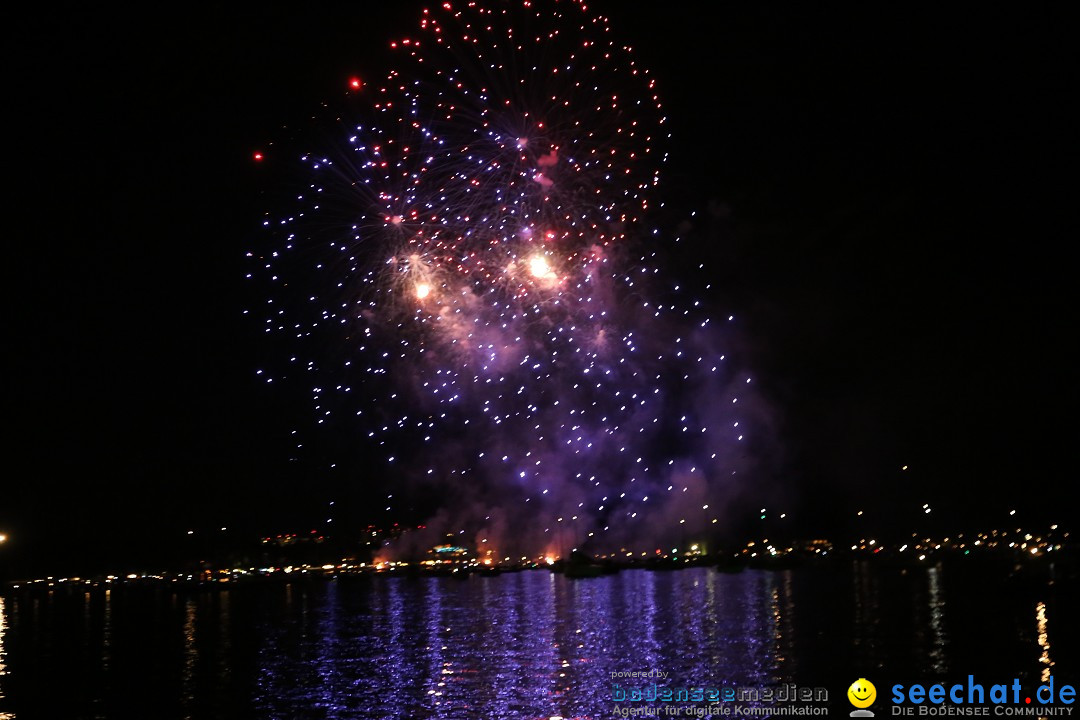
(523,645)
(783,611)
(1044,641)
(938,637)
(106,632)
(867,614)
(224,646)
(530,645)
(191,657)
(3,656)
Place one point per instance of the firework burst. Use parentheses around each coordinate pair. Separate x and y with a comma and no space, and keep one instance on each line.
(460,285)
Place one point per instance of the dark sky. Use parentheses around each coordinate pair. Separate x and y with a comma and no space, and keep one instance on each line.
(895,184)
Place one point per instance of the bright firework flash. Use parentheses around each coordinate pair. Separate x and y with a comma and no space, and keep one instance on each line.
(465,286)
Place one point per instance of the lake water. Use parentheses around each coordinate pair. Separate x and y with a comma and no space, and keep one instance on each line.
(519,645)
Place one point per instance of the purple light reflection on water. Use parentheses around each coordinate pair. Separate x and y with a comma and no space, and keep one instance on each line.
(521,645)
(518,645)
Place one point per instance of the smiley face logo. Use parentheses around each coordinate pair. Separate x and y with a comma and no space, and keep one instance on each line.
(862,693)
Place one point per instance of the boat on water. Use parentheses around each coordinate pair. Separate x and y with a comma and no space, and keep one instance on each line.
(731,564)
(582,565)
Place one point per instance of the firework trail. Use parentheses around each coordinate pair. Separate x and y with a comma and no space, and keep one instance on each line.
(465,286)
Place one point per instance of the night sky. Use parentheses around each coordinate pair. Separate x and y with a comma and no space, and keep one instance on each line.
(887,190)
